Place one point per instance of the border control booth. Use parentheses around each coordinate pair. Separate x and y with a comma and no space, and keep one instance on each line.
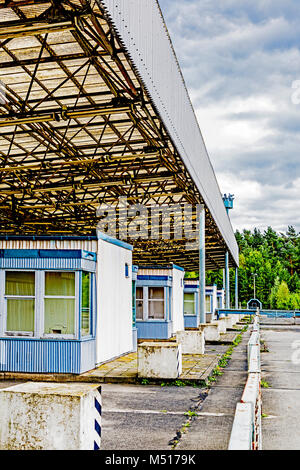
(159,301)
(191,303)
(59,308)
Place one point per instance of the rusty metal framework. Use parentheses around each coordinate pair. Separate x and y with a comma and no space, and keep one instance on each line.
(78,128)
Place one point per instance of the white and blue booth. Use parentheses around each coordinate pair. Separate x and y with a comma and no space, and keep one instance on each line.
(66,302)
(159,300)
(220,298)
(191,302)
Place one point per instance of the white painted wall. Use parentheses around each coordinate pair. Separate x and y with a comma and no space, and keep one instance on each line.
(177,300)
(214,301)
(114,302)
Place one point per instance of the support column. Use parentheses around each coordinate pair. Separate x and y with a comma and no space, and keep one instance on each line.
(236,289)
(202,266)
(227,286)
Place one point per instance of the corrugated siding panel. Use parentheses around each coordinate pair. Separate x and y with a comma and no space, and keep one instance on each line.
(88,245)
(141,28)
(42,263)
(154,330)
(191,282)
(88,355)
(191,321)
(155,272)
(39,356)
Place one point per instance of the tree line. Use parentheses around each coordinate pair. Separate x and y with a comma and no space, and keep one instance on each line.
(274,260)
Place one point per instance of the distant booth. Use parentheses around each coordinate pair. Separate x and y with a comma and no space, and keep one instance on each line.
(66,302)
(253,304)
(134,328)
(220,298)
(159,301)
(191,302)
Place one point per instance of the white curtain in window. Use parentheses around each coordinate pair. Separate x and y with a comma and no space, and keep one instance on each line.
(156,305)
(139,303)
(189,304)
(60,316)
(59,312)
(207,303)
(19,283)
(85,307)
(20,315)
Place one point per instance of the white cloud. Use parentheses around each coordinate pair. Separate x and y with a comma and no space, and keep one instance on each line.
(239,60)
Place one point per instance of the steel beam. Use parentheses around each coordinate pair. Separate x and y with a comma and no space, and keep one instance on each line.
(202,306)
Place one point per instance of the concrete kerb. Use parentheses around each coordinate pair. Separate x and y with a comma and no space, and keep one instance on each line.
(247,418)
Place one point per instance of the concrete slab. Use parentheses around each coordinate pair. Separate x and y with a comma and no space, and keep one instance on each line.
(137,417)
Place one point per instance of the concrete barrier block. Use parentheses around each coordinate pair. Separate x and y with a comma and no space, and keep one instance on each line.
(159,360)
(192,341)
(222,324)
(211,331)
(229,322)
(50,416)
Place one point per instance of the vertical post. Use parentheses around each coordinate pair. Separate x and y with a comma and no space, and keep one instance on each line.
(227,287)
(202,265)
(236,289)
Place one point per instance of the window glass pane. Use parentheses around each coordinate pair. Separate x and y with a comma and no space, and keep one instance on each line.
(139,309)
(156,309)
(139,292)
(85,309)
(207,303)
(156,293)
(20,315)
(19,283)
(189,304)
(60,316)
(190,297)
(62,283)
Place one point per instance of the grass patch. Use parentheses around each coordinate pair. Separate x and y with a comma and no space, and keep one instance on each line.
(264,384)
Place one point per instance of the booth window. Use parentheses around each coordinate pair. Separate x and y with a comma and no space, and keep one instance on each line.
(156,297)
(86,304)
(189,304)
(59,303)
(207,304)
(20,302)
(139,303)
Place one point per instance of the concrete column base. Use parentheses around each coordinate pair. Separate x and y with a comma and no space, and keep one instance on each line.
(50,416)
(211,331)
(192,341)
(159,360)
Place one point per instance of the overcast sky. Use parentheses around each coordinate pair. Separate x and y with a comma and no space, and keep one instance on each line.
(239,59)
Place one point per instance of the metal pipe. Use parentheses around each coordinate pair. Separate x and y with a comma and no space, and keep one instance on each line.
(236,289)
(227,286)
(202,266)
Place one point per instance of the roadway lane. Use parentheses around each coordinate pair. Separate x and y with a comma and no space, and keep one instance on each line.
(281,401)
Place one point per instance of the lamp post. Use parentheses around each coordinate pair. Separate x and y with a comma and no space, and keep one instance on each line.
(254,276)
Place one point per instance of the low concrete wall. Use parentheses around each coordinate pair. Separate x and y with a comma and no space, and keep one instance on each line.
(159,360)
(192,341)
(211,331)
(50,416)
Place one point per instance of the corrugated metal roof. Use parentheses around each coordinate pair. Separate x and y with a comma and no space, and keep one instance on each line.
(142,29)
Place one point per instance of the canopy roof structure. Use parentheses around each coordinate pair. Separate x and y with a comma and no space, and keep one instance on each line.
(93,107)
